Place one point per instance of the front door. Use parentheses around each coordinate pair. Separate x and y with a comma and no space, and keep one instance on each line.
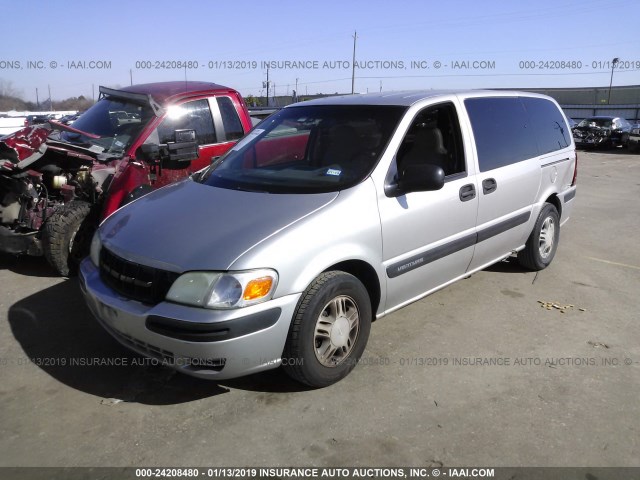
(216,132)
(429,237)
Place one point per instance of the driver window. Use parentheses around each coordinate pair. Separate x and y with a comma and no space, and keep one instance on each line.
(194,115)
(434,137)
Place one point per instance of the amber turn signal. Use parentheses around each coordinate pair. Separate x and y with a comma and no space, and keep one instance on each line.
(257,288)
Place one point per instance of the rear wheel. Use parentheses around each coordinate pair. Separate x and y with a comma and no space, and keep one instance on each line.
(329,330)
(543,242)
(66,236)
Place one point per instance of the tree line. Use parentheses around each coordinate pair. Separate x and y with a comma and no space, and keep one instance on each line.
(10,99)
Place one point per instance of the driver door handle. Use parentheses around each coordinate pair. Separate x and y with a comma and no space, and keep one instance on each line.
(467,192)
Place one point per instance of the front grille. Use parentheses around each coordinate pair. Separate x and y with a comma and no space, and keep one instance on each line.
(138,282)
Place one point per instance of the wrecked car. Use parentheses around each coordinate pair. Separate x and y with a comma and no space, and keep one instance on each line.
(634,138)
(602,131)
(57,182)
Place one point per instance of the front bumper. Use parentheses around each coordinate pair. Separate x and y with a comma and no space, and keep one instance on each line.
(205,343)
(591,141)
(19,243)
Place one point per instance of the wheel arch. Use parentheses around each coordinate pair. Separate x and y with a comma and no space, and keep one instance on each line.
(366,274)
(555,201)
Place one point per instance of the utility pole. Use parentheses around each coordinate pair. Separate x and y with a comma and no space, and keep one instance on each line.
(614,62)
(37,100)
(353,63)
(93,92)
(267,85)
(131,76)
(50,101)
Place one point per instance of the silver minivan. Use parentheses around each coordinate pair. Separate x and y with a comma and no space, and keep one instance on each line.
(328,215)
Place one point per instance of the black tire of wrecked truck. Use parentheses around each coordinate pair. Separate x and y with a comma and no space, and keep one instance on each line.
(66,236)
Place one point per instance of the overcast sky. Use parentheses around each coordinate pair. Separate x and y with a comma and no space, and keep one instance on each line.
(72,47)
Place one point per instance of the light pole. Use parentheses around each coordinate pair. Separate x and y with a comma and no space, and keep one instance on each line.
(353,63)
(614,62)
(267,85)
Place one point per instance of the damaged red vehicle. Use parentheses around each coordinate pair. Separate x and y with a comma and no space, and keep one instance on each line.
(57,182)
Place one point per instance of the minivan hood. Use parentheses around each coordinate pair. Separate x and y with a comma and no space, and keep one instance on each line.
(192,226)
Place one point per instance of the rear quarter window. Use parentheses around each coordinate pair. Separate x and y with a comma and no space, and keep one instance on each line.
(548,124)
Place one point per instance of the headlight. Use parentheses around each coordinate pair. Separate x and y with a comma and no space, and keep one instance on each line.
(224,290)
(96,246)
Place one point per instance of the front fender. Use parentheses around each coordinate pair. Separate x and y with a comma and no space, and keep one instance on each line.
(127,176)
(25,146)
(347,229)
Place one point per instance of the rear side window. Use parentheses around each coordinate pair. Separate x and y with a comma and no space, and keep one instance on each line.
(230,121)
(501,130)
(548,124)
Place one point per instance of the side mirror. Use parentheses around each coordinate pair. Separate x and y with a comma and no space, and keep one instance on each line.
(149,152)
(417,178)
(421,178)
(184,148)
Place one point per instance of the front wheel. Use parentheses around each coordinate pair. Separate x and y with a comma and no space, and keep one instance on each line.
(329,330)
(66,236)
(543,242)
(624,140)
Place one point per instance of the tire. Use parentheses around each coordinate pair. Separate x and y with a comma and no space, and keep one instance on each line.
(624,140)
(542,244)
(319,349)
(66,236)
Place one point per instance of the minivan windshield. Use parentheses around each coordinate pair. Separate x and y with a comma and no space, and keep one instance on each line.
(117,122)
(308,149)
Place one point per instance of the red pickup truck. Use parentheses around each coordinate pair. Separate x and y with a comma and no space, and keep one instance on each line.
(57,182)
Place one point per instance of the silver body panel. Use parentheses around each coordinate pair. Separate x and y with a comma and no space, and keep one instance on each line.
(178,235)
(190,226)
(125,320)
